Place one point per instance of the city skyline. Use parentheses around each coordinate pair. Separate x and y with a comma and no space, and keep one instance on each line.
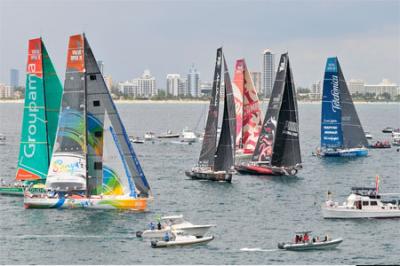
(129,40)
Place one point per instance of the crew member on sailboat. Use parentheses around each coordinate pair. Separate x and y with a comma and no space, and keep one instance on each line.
(341,132)
(278,148)
(216,163)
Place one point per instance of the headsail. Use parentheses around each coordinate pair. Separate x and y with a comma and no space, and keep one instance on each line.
(238,88)
(42,102)
(278,143)
(224,157)
(208,148)
(116,176)
(286,151)
(353,133)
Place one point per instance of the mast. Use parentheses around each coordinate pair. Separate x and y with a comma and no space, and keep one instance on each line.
(45,106)
(208,148)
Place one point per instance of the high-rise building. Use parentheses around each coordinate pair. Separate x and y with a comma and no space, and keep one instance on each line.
(174,82)
(193,82)
(356,86)
(256,77)
(101,66)
(205,88)
(143,87)
(14,78)
(108,81)
(268,72)
(5,91)
(315,93)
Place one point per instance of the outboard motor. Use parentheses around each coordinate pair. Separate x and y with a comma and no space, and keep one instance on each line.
(280,245)
(139,234)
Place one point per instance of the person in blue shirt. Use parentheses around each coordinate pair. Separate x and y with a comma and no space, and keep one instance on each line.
(166,237)
(152,226)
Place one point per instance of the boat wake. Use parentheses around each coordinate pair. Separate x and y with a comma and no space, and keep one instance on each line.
(258,249)
(54,236)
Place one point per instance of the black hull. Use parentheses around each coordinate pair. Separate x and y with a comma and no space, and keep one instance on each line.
(212,176)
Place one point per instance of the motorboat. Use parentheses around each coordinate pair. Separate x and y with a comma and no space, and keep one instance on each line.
(387,130)
(179,239)
(368,135)
(174,223)
(169,135)
(188,136)
(149,136)
(363,202)
(381,145)
(303,242)
(136,140)
(2,139)
(396,141)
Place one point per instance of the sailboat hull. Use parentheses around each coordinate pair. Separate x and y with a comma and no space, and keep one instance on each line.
(265,170)
(120,203)
(220,176)
(361,152)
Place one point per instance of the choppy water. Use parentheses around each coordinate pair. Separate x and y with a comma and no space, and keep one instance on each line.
(252,213)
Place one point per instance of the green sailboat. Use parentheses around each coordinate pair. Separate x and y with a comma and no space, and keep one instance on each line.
(39,124)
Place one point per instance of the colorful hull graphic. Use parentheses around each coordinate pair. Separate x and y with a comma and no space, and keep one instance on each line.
(95,202)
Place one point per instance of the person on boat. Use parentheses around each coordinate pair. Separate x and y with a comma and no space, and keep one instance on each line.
(313,240)
(296,239)
(318,239)
(326,238)
(152,226)
(300,238)
(159,225)
(166,237)
(306,238)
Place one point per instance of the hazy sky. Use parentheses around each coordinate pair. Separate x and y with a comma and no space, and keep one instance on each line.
(168,36)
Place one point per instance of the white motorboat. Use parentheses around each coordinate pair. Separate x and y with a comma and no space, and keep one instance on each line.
(136,140)
(368,135)
(362,203)
(181,240)
(175,223)
(2,139)
(396,140)
(188,136)
(311,245)
(149,136)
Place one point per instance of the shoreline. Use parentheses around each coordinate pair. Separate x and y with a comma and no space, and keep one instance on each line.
(196,102)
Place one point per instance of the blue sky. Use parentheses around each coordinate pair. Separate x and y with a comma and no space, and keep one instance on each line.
(168,36)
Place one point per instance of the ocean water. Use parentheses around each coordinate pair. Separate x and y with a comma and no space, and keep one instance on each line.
(252,214)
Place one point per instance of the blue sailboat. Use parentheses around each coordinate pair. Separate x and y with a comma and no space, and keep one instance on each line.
(341,132)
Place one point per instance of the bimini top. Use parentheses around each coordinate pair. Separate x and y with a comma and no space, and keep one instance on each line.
(363,188)
(303,232)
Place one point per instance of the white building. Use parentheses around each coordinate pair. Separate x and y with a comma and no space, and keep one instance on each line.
(268,72)
(356,86)
(316,91)
(205,88)
(5,91)
(108,81)
(143,87)
(176,86)
(256,77)
(193,82)
(384,87)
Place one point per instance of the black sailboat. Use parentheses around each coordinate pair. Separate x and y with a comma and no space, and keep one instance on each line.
(278,149)
(216,162)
